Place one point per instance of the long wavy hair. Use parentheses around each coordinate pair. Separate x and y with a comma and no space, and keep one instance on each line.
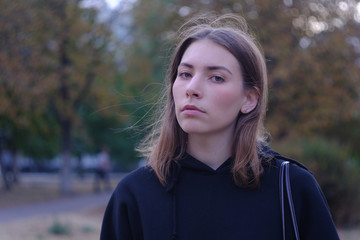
(166,142)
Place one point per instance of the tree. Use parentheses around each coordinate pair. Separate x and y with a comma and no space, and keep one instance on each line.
(83,64)
(63,56)
(317,77)
(300,41)
(21,96)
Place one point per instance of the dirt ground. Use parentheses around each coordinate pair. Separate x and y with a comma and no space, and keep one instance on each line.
(75,225)
(82,225)
(34,188)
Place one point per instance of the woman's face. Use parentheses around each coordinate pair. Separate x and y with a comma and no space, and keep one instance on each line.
(208,90)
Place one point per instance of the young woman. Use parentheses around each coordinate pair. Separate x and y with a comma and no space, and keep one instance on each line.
(210,174)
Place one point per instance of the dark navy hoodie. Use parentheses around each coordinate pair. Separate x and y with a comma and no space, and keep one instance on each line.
(200,203)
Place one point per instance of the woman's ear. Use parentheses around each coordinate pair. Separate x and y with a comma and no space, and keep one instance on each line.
(251,100)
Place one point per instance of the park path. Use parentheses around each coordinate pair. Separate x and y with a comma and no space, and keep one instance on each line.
(73,203)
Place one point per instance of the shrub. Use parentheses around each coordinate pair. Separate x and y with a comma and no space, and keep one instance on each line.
(58,228)
(336,172)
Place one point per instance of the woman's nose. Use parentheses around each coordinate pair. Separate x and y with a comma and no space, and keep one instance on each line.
(194,88)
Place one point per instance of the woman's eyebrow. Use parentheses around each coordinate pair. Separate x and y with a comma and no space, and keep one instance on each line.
(186,65)
(219,68)
(211,68)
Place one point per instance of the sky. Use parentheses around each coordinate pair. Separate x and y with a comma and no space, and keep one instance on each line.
(112,3)
(99,3)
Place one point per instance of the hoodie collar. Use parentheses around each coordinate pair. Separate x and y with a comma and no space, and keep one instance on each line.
(193,164)
(188,162)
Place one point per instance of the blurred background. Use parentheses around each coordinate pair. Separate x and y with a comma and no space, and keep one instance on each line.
(81,76)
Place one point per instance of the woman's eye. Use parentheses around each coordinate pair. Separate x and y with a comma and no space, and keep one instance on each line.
(217,79)
(185,75)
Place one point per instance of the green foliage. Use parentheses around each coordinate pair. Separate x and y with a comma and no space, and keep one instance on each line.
(104,129)
(336,171)
(349,133)
(54,58)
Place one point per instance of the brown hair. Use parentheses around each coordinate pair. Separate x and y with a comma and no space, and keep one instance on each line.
(166,143)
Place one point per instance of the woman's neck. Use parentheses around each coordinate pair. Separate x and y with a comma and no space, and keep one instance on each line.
(211,150)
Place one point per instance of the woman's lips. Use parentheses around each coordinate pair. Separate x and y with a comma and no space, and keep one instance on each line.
(191,110)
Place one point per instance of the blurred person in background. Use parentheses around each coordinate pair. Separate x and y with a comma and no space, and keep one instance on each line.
(102,171)
(210,173)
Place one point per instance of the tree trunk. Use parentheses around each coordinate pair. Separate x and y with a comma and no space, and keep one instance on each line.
(64,109)
(13,164)
(65,183)
(15,167)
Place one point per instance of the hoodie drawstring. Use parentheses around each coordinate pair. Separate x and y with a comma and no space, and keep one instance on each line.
(174,216)
(172,189)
